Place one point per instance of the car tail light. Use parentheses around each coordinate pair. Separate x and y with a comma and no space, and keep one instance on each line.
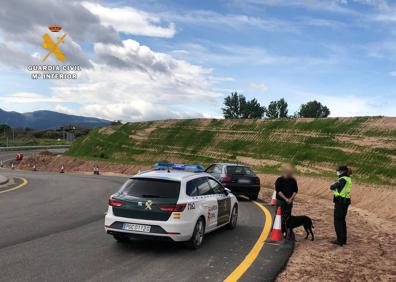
(172,207)
(226,179)
(257,180)
(115,203)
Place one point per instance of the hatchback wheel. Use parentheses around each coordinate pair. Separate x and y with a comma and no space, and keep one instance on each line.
(198,234)
(234,218)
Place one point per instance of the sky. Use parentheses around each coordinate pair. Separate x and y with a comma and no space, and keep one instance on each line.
(147,60)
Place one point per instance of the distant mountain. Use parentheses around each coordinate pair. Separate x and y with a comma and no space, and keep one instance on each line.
(48,120)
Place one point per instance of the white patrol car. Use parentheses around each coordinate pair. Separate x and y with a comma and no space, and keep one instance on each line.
(170,204)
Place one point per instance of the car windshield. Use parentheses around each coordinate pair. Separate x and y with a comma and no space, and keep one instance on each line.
(150,188)
(241,170)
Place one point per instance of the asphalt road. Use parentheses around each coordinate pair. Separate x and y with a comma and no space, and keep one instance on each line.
(52,230)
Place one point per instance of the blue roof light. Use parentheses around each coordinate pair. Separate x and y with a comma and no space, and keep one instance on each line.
(185,167)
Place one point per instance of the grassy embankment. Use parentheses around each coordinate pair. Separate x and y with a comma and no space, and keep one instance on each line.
(315,146)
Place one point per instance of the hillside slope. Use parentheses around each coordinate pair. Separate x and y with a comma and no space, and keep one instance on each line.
(48,120)
(315,146)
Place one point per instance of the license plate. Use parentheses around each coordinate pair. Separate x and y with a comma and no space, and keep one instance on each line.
(243,181)
(136,227)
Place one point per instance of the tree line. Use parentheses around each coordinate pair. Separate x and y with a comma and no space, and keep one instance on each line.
(236,106)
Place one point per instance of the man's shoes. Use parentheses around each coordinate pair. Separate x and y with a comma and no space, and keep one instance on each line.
(335,242)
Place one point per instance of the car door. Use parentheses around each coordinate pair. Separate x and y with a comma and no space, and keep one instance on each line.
(223,202)
(208,202)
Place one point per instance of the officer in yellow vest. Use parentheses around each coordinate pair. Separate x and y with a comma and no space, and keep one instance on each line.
(342,200)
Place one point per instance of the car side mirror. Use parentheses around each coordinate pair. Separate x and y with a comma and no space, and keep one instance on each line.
(227,191)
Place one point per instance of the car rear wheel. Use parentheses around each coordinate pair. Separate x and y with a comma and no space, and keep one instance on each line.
(121,238)
(234,218)
(198,234)
(254,197)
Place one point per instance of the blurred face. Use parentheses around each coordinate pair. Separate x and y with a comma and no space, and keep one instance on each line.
(288,172)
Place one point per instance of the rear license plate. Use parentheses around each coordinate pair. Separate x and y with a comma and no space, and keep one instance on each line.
(243,181)
(136,227)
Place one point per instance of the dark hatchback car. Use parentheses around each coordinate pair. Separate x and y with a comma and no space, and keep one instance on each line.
(240,179)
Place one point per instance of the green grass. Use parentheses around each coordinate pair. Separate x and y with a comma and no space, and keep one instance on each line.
(311,143)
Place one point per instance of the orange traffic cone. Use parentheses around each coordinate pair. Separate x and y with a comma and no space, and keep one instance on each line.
(273,199)
(62,170)
(276,234)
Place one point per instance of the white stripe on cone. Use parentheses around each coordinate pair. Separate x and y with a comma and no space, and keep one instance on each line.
(276,234)
(273,199)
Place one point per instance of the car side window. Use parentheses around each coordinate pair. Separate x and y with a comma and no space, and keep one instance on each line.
(216,186)
(210,169)
(192,187)
(217,169)
(204,187)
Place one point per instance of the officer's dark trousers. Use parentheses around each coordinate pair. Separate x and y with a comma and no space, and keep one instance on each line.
(340,212)
(286,210)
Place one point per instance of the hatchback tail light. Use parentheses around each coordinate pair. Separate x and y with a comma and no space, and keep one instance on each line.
(115,203)
(257,180)
(172,207)
(226,179)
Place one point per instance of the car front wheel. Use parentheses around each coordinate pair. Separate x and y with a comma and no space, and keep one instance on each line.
(198,234)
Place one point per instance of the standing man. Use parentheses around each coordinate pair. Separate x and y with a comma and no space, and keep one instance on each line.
(342,200)
(286,190)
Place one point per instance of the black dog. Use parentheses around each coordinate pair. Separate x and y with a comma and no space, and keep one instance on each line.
(296,221)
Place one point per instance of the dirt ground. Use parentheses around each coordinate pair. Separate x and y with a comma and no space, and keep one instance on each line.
(370,254)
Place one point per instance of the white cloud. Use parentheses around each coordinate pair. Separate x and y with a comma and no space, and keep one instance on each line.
(335,6)
(348,105)
(65,110)
(260,87)
(132,82)
(27,98)
(227,55)
(234,21)
(132,21)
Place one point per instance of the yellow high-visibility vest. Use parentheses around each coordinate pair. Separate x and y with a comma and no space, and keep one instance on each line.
(345,192)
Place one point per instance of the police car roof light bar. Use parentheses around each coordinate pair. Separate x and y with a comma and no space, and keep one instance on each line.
(184,167)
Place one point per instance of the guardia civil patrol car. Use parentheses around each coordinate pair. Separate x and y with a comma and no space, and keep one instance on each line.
(173,202)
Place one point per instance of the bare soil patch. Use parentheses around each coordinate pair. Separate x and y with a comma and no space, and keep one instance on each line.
(108,130)
(372,142)
(143,134)
(75,165)
(256,162)
(388,123)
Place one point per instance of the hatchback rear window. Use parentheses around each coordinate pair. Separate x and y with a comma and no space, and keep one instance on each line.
(151,188)
(242,170)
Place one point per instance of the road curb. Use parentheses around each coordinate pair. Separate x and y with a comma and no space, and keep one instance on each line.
(23,183)
(3,180)
(275,255)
